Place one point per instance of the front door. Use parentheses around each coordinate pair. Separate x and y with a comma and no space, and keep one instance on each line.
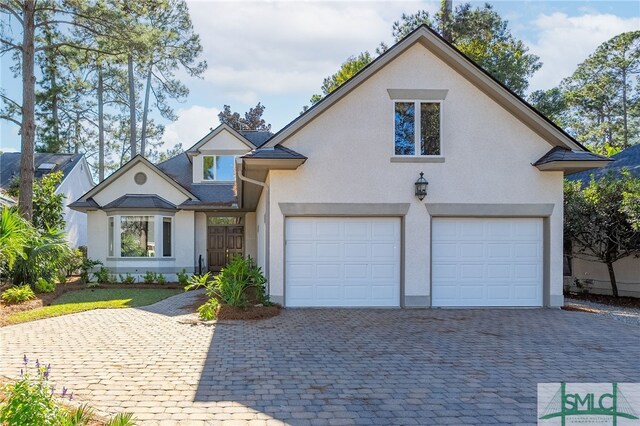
(223,242)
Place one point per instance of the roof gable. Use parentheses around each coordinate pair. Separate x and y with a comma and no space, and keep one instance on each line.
(455,59)
(138,159)
(228,139)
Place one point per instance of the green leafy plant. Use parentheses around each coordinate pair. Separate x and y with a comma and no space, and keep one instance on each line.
(18,294)
(62,278)
(127,279)
(44,286)
(209,310)
(160,279)
(103,276)
(30,401)
(149,277)
(122,419)
(14,234)
(86,267)
(200,281)
(75,262)
(183,277)
(46,254)
(234,280)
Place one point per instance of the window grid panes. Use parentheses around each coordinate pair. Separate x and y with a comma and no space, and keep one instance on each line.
(421,136)
(166,236)
(405,128)
(137,237)
(111,235)
(429,128)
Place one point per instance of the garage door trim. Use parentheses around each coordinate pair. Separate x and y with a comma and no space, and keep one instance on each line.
(515,211)
(342,210)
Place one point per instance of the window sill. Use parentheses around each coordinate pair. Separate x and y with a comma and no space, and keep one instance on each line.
(149,258)
(417,159)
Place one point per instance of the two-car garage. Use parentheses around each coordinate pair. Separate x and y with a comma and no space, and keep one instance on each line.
(356,262)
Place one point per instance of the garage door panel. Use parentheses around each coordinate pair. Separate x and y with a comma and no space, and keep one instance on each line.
(301,251)
(486,262)
(354,262)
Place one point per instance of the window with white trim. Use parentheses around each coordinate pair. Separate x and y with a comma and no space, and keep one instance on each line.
(140,236)
(420,136)
(220,168)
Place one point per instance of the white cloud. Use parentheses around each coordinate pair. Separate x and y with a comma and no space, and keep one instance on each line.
(565,41)
(193,123)
(279,48)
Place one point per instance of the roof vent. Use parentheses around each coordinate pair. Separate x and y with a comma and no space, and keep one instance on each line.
(46,166)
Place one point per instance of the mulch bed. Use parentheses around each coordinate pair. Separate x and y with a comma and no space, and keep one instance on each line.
(73,284)
(622,301)
(576,308)
(227,312)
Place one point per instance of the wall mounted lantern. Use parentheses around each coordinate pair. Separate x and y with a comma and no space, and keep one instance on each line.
(421,187)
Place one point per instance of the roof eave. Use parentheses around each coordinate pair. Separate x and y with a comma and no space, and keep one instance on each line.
(274,163)
(569,167)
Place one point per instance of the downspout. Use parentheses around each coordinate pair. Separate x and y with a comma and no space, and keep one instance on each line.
(266,224)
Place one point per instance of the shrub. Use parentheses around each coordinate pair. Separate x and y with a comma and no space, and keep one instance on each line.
(236,278)
(149,277)
(160,279)
(200,281)
(18,294)
(75,262)
(46,254)
(127,279)
(209,310)
(86,268)
(44,286)
(62,278)
(183,277)
(103,276)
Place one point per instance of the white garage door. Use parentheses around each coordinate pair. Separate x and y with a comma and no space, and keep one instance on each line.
(486,262)
(342,262)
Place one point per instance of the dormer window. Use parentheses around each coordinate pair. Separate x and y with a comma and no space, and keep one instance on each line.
(218,168)
(421,136)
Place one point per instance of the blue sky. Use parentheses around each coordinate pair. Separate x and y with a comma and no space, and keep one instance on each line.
(278,52)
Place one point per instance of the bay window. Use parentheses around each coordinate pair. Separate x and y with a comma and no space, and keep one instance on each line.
(140,236)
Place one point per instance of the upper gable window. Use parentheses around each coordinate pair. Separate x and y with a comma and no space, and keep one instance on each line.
(417,136)
(218,168)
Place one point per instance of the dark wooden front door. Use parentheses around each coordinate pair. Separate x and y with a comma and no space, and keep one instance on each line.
(223,242)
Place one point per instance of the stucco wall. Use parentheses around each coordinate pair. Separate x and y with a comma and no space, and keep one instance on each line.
(76,184)
(125,184)
(627,272)
(201,240)
(261,228)
(488,155)
(250,237)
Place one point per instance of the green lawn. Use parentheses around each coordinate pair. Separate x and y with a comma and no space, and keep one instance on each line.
(86,300)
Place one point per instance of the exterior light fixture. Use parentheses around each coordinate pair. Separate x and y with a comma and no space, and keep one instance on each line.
(421,187)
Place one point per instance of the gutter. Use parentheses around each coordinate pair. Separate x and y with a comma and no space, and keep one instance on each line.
(267,220)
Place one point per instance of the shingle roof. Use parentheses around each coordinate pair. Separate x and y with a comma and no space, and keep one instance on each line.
(256,137)
(140,201)
(10,165)
(180,169)
(562,154)
(628,159)
(277,152)
(88,204)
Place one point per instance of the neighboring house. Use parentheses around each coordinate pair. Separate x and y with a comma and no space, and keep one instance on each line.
(6,200)
(327,205)
(76,181)
(589,271)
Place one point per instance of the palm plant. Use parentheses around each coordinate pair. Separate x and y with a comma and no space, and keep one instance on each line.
(14,234)
(46,253)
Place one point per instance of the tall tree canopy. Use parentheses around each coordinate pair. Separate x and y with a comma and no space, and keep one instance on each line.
(480,33)
(92,71)
(252,119)
(600,102)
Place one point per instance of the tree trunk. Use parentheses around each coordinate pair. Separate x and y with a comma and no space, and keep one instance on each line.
(132,107)
(100,125)
(612,277)
(28,128)
(447,17)
(145,113)
(625,136)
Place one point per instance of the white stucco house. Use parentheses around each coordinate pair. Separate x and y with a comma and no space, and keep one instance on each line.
(76,181)
(328,206)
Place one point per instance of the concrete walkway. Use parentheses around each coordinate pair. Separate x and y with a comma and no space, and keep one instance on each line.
(332,366)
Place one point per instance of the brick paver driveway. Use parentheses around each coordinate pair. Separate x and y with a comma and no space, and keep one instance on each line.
(324,366)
